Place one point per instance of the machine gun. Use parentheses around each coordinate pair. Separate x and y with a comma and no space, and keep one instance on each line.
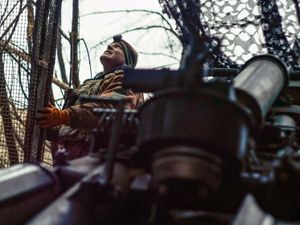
(207,152)
(222,151)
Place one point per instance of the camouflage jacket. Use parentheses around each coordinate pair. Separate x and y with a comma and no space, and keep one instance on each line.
(82,120)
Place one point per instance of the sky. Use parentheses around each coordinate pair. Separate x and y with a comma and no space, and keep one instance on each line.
(98,27)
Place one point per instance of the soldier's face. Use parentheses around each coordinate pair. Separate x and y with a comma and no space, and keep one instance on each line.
(113,55)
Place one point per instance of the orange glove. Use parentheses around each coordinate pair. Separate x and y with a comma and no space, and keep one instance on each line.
(51,116)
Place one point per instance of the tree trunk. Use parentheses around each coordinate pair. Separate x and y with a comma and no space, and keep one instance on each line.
(74,45)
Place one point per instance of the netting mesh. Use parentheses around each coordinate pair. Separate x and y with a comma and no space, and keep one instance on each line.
(246,27)
(14,67)
(16,31)
(43,59)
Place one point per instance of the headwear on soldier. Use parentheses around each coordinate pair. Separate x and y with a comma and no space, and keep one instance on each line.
(131,55)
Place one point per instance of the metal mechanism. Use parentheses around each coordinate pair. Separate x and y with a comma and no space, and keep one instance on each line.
(207,148)
(28,188)
(209,153)
(259,84)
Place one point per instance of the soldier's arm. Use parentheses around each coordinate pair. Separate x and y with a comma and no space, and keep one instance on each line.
(81,116)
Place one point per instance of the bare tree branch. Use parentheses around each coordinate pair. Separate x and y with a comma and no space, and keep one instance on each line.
(168,28)
(64,34)
(30,24)
(20,141)
(2,16)
(14,57)
(131,11)
(60,84)
(165,66)
(13,24)
(137,29)
(26,57)
(22,54)
(20,79)
(15,113)
(3,19)
(60,57)
(88,54)
(6,117)
(163,54)
(74,73)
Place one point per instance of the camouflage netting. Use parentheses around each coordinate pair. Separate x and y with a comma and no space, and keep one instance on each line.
(246,27)
(16,27)
(14,67)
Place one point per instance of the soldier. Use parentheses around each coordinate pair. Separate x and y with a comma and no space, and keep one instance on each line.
(71,126)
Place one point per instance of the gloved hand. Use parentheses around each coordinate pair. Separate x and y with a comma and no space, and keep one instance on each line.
(51,116)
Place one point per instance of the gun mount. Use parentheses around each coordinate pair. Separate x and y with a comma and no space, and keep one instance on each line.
(190,155)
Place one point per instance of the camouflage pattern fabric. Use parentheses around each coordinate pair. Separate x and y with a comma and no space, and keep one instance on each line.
(76,137)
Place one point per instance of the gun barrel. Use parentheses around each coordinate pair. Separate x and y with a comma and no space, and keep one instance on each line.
(25,190)
(261,81)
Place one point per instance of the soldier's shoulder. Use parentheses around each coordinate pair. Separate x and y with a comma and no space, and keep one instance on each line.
(120,70)
(114,74)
